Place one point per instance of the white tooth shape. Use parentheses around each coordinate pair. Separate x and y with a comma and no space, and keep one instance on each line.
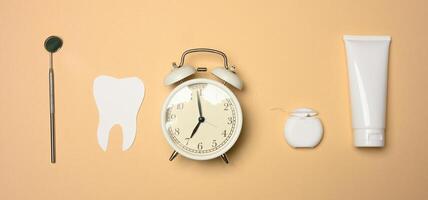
(118,102)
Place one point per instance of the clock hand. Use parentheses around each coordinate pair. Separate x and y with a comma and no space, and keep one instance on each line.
(195,129)
(201,118)
(199,104)
(200,121)
(211,124)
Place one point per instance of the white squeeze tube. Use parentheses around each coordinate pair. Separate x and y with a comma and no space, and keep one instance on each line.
(367,73)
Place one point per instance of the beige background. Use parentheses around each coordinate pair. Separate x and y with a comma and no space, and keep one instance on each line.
(289,54)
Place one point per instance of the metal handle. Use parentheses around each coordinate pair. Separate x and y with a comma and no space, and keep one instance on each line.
(206,50)
(52,111)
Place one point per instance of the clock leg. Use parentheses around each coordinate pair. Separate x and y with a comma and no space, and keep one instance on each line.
(173,155)
(224,158)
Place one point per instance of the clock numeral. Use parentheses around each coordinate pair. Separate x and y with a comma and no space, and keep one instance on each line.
(214,143)
(229,120)
(171,117)
(224,133)
(187,140)
(226,106)
(180,106)
(175,131)
(200,147)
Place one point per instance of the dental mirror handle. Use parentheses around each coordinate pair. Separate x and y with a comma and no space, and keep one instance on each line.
(52,110)
(52,44)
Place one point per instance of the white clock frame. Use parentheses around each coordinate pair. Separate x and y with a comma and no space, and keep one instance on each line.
(232,140)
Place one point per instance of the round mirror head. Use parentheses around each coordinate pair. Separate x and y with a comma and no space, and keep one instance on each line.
(53,43)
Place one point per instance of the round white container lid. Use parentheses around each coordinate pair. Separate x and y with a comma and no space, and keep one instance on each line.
(303,128)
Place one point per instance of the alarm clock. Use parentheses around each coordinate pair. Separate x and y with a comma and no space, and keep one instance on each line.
(201,118)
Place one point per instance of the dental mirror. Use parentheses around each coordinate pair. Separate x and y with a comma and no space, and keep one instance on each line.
(52,44)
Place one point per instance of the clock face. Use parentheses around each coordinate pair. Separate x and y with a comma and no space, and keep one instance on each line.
(201,119)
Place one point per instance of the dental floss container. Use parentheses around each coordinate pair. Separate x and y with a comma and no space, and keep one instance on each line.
(303,129)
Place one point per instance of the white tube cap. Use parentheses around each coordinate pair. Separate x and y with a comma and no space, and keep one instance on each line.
(369,137)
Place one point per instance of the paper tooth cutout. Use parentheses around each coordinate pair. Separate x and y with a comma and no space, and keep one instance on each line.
(118,102)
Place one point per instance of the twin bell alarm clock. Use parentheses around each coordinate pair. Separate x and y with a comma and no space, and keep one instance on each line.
(201,118)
